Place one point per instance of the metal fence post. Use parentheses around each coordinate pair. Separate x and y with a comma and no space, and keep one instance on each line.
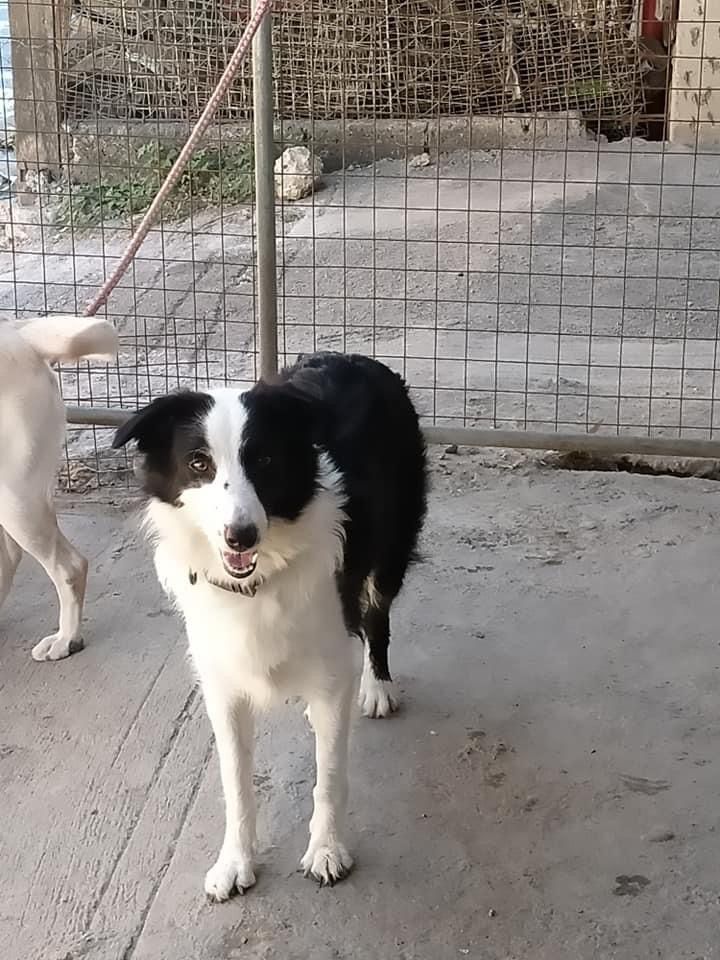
(262,70)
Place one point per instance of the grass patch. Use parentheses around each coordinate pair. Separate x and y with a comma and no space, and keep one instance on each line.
(213,175)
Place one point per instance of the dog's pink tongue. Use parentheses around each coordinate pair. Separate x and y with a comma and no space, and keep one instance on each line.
(238,561)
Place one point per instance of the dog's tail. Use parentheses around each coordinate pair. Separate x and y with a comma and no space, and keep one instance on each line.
(69,338)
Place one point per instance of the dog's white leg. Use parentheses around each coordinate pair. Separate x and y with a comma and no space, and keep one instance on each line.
(233,726)
(377,698)
(68,571)
(69,574)
(35,529)
(327,859)
(10,554)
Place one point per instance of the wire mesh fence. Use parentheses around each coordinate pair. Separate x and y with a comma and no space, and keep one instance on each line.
(354,59)
(519,208)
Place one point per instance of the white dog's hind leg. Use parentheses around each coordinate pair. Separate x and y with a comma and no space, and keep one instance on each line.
(10,554)
(233,726)
(35,529)
(68,571)
(327,859)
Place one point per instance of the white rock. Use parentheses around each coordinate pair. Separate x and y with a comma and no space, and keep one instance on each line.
(421,160)
(297,171)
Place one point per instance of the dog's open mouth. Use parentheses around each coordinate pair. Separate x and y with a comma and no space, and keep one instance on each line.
(240,564)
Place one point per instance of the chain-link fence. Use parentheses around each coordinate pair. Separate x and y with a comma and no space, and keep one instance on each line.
(519,205)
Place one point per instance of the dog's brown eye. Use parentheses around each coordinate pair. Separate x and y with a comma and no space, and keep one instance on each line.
(199,463)
(264,460)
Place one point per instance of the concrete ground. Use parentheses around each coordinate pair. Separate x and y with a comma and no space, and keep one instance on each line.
(548,792)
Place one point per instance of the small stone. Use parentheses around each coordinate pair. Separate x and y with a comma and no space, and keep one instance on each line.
(492,912)
(660,835)
(297,172)
(451,448)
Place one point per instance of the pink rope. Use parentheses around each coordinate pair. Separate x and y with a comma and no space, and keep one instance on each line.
(261,11)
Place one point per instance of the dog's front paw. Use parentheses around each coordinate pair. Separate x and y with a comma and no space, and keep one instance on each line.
(231,874)
(326,862)
(377,698)
(57,647)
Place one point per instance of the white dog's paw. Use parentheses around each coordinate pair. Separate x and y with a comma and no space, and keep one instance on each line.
(57,647)
(229,875)
(327,863)
(377,698)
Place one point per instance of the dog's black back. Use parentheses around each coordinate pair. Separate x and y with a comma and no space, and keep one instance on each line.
(368,425)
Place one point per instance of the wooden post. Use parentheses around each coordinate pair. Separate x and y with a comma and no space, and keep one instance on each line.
(35,64)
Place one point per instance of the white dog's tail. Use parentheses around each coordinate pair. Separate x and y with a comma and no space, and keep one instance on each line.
(69,338)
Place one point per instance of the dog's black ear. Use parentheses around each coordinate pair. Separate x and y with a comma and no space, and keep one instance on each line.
(306,384)
(153,426)
(300,399)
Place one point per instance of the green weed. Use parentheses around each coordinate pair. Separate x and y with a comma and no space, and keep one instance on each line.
(212,176)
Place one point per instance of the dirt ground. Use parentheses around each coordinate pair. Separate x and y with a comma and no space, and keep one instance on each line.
(548,792)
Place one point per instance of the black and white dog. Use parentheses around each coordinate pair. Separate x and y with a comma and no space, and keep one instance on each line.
(284,520)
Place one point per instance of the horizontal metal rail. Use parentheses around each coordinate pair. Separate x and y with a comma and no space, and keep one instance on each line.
(97,416)
(482,437)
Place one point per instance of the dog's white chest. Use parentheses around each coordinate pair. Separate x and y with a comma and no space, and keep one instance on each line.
(264,647)
(242,632)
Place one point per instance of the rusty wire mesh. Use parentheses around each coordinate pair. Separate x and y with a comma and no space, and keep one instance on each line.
(128,59)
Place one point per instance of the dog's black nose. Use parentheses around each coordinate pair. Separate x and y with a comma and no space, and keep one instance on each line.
(241,536)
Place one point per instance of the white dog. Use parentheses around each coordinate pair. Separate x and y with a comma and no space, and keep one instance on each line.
(32,429)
